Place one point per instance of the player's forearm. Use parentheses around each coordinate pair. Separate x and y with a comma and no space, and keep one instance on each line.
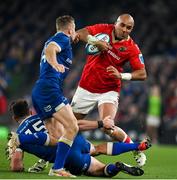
(139,75)
(51,57)
(51,54)
(16,162)
(85,125)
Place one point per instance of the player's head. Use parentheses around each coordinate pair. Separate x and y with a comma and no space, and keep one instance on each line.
(66,24)
(19,109)
(123,26)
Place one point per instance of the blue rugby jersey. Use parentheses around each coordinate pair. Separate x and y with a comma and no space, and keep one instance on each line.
(78,160)
(64,57)
(30,125)
(47,94)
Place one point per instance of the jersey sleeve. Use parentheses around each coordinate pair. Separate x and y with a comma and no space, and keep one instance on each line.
(136,59)
(61,41)
(97,28)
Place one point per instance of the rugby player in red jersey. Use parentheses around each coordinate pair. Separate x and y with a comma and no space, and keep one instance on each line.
(109,48)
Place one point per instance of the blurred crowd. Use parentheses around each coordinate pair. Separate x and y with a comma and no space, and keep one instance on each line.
(26,25)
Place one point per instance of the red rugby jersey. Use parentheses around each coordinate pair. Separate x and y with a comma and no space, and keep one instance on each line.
(94,76)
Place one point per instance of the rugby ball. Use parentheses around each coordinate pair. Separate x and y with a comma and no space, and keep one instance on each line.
(93,50)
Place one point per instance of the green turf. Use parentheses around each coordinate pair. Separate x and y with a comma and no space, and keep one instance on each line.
(161,164)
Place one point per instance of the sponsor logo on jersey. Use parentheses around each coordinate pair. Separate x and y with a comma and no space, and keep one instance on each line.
(85,167)
(47,108)
(69,61)
(113,55)
(122,48)
(93,50)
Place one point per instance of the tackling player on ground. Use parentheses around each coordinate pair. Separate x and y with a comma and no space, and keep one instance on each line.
(33,137)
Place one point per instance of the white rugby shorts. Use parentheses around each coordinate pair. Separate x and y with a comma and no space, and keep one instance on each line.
(84,101)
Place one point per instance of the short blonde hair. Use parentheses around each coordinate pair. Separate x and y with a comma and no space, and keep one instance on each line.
(62,22)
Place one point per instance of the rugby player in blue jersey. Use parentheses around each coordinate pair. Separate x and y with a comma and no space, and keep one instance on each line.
(33,137)
(47,94)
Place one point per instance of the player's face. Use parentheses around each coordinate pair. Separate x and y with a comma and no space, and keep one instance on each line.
(72,31)
(123,28)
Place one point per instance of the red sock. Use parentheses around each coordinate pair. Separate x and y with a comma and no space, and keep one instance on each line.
(128,140)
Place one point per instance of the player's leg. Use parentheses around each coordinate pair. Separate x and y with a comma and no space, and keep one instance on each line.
(97,168)
(55,128)
(79,160)
(82,103)
(66,117)
(107,106)
(139,156)
(117,133)
(52,103)
(116,148)
(110,109)
(91,166)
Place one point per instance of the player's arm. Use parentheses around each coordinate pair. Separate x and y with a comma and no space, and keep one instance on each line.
(85,125)
(139,74)
(84,35)
(16,161)
(51,56)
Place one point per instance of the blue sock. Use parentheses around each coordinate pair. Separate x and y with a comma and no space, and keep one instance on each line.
(119,148)
(36,138)
(61,155)
(111,170)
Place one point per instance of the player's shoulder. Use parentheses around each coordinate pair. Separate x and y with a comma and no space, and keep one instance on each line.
(31,119)
(102,26)
(34,116)
(59,36)
(132,45)
(27,122)
(105,25)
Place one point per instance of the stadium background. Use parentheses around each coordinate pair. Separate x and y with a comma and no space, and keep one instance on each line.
(26,25)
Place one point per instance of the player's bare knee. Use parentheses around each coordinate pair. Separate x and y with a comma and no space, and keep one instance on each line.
(109,132)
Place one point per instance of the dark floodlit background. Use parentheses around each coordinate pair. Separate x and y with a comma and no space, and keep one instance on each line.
(25,26)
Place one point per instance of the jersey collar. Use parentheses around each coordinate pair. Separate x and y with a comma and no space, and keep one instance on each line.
(24,120)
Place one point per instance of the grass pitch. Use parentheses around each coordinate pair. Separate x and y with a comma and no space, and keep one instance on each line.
(161,164)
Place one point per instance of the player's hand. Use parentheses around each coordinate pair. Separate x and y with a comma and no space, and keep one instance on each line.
(103,46)
(59,67)
(108,123)
(113,72)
